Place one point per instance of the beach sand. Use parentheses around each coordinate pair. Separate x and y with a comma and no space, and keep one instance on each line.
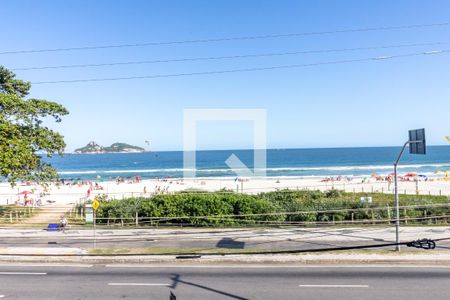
(71,194)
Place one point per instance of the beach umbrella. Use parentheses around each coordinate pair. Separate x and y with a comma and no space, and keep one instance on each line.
(25,193)
(423,177)
(410,175)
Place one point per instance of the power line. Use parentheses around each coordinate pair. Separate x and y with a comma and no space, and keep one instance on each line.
(224,39)
(242,70)
(226,57)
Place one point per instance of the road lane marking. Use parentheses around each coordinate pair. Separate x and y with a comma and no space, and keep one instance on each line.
(334,285)
(48,265)
(22,273)
(137,284)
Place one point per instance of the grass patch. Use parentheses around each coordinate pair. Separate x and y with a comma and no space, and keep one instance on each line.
(176,251)
(169,250)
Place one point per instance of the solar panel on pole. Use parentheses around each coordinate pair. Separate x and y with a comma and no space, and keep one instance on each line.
(417,142)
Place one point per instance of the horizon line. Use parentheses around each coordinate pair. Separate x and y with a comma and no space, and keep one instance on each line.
(251,149)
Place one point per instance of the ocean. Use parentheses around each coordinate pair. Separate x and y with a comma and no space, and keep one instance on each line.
(321,162)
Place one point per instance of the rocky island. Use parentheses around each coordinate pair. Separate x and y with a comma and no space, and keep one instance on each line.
(94,148)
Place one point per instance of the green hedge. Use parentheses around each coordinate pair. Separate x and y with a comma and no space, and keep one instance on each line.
(192,208)
(228,208)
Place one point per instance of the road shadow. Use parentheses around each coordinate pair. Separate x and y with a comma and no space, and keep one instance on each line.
(229,243)
(176,279)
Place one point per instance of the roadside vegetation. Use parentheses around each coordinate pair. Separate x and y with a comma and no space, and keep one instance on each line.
(226,208)
(11,214)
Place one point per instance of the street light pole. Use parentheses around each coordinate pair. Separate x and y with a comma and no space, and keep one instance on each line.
(417,146)
(397,208)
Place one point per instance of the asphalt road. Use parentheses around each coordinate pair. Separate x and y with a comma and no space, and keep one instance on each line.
(230,282)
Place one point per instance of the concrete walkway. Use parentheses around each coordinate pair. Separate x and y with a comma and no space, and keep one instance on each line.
(260,234)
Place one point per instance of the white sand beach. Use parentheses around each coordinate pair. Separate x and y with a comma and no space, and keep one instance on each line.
(72,193)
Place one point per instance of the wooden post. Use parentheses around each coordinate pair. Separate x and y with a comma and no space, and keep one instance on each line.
(137,219)
(417,186)
(389,214)
(10,217)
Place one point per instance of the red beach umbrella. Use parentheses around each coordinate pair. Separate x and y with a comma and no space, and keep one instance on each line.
(410,175)
(25,193)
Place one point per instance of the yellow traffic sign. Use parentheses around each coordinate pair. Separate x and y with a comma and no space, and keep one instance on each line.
(95,204)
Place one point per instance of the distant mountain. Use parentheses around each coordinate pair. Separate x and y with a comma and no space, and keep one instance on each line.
(93,147)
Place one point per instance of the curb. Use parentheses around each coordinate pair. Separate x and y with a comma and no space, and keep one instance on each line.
(439,259)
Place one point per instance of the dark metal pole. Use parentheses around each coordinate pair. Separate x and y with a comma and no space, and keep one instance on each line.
(397,209)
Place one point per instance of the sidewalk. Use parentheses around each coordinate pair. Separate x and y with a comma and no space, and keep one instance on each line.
(70,247)
(317,234)
(430,257)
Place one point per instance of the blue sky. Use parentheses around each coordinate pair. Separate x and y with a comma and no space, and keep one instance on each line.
(356,104)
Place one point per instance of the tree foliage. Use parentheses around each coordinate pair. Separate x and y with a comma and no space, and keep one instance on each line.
(23,135)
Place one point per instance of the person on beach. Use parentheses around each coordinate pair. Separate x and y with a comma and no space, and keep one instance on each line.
(63,223)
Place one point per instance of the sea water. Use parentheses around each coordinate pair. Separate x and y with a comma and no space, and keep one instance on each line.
(321,162)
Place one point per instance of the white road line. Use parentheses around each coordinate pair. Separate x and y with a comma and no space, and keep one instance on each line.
(137,284)
(48,265)
(2,296)
(22,273)
(333,285)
